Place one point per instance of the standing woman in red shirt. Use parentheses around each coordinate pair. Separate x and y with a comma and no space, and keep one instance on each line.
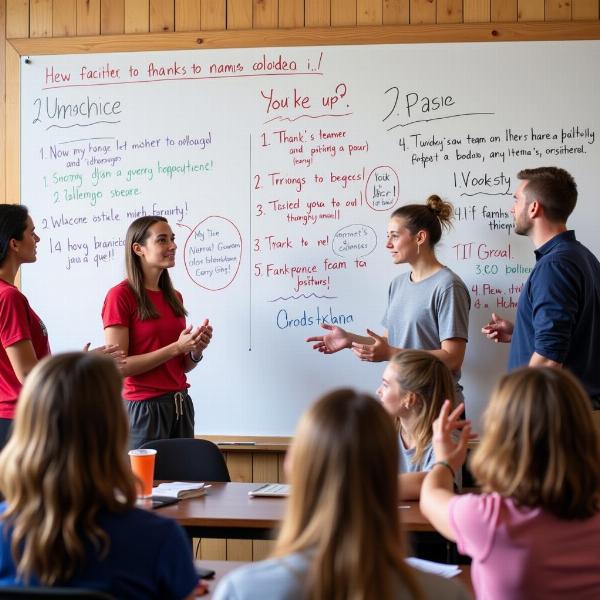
(23,336)
(145,316)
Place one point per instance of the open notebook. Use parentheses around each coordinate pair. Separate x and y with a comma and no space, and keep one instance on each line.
(271,489)
(180,490)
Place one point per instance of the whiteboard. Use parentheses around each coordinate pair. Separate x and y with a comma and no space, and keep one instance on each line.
(278,169)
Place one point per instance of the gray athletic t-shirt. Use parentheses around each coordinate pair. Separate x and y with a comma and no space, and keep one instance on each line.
(406,464)
(422,314)
(406,459)
(283,578)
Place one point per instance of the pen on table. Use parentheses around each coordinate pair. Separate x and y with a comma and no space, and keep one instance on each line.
(403,506)
(236,443)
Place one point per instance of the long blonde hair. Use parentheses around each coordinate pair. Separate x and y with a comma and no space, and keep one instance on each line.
(430,380)
(64,463)
(539,444)
(343,508)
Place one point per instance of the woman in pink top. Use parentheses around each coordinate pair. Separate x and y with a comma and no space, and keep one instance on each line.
(534,532)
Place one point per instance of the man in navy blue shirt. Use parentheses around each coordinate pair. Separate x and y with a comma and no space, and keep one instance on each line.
(558,315)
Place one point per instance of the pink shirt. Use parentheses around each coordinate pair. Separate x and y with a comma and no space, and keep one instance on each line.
(524,553)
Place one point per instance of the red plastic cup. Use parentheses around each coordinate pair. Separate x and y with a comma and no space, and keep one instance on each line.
(142,465)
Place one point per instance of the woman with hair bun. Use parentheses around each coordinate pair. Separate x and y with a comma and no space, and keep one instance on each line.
(428,306)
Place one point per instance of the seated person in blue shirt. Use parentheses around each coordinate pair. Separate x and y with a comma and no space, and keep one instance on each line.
(69,517)
(558,315)
(341,535)
(413,389)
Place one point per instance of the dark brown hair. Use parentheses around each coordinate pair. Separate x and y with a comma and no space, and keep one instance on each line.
(554,188)
(13,222)
(138,233)
(433,216)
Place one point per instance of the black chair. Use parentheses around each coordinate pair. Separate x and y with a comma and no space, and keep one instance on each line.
(188,459)
(7,593)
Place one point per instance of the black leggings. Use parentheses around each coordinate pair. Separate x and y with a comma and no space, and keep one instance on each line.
(163,417)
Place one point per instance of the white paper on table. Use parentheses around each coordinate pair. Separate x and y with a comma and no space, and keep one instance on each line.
(436,568)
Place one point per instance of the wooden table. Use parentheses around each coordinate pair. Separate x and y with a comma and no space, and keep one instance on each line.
(222,567)
(226,511)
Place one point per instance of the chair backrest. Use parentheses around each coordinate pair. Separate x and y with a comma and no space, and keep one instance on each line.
(6,593)
(188,459)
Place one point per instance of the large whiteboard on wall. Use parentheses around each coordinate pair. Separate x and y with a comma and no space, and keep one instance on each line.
(278,169)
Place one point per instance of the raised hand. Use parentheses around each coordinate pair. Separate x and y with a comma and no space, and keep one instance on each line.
(337,339)
(498,329)
(445,445)
(378,351)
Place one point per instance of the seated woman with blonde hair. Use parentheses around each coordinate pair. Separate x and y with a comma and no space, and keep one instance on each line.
(413,389)
(534,532)
(341,537)
(69,518)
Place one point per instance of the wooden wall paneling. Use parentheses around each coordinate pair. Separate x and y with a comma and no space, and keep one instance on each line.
(262,549)
(585,10)
(213,14)
(449,11)
(265,14)
(531,10)
(16,19)
(239,14)
(64,18)
(558,10)
(137,16)
(40,18)
(422,11)
(317,13)
(112,17)
(343,13)
(281,468)
(240,469)
(239,465)
(88,17)
(12,132)
(369,12)
(476,11)
(503,11)
(213,549)
(265,467)
(187,15)
(162,15)
(239,550)
(291,13)
(396,12)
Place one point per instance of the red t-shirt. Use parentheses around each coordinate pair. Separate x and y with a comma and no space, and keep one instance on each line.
(18,322)
(120,308)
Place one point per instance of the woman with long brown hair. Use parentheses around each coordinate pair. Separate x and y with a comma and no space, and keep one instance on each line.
(428,306)
(341,537)
(534,532)
(145,316)
(69,518)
